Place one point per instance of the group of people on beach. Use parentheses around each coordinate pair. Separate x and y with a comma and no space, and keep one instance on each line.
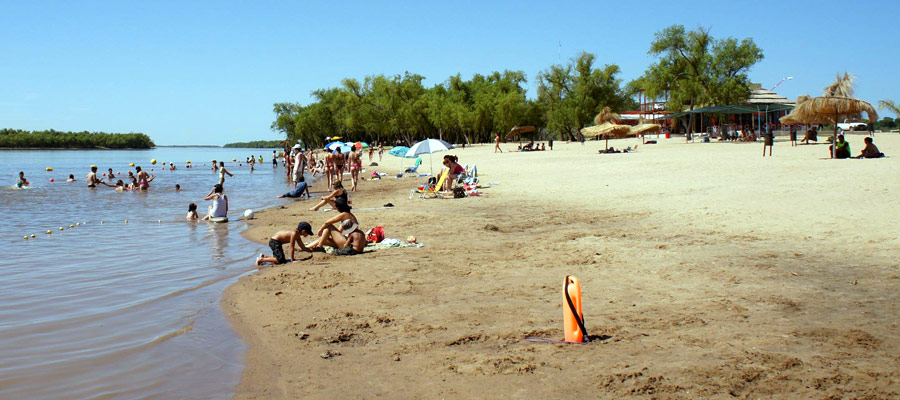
(346,238)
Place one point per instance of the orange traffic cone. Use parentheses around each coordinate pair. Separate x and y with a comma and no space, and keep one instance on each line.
(573,319)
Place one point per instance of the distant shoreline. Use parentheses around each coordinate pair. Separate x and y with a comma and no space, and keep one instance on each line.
(76,148)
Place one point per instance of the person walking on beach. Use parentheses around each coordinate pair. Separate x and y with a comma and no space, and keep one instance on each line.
(92,179)
(497,143)
(299,165)
(355,161)
(294,237)
(793,136)
(768,141)
(380,151)
(338,160)
(222,172)
(371,152)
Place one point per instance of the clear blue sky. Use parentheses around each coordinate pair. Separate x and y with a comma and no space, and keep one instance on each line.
(209,72)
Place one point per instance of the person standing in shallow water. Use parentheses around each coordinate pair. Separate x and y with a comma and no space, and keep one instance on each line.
(92,179)
(222,171)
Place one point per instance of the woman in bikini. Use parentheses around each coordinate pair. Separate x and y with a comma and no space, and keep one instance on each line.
(338,165)
(329,168)
(355,162)
(337,199)
(143,179)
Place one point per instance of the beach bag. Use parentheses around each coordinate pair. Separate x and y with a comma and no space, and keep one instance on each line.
(459,192)
(375,235)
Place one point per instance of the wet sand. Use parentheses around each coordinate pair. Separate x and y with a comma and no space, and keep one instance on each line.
(708,271)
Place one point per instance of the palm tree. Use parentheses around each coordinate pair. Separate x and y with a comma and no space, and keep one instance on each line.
(890,106)
(842,86)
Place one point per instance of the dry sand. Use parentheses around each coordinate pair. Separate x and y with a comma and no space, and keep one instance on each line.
(708,271)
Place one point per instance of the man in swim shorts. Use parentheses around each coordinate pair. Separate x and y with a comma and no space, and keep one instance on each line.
(280,238)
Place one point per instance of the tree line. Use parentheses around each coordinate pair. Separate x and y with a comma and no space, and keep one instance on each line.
(692,69)
(256,144)
(51,139)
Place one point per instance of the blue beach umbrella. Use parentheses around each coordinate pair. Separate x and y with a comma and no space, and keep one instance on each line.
(333,145)
(400,151)
(346,149)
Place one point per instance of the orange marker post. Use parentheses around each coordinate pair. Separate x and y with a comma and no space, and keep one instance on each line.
(573,318)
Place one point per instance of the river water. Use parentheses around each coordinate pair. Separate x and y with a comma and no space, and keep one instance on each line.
(110,309)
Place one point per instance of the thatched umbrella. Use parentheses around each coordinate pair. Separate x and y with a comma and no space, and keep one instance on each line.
(519,130)
(833,107)
(606,129)
(605,124)
(643,129)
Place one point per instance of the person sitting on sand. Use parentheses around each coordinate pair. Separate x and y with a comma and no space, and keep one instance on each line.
(280,238)
(870,151)
(219,207)
(347,241)
(841,148)
(450,161)
(192,212)
(21,182)
(811,134)
(339,195)
(298,191)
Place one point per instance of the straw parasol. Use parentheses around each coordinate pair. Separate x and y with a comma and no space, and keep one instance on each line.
(643,129)
(605,124)
(832,108)
(519,130)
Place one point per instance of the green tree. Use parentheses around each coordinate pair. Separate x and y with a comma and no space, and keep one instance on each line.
(572,94)
(694,69)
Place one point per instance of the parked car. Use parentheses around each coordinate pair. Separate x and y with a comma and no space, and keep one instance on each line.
(852,126)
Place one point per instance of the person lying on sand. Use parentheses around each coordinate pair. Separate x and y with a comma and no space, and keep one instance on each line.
(298,191)
(347,241)
(280,238)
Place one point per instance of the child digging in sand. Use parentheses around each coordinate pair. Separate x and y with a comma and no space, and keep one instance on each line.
(280,238)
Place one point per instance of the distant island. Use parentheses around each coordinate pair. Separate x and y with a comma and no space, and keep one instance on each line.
(257,144)
(21,139)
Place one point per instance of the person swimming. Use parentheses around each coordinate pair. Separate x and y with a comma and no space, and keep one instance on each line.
(71,178)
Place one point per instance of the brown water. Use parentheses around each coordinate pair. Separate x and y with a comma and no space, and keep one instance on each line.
(111,309)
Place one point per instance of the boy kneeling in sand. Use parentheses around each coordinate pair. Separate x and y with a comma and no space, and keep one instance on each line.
(281,237)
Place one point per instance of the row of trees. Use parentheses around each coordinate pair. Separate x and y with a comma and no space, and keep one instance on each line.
(256,144)
(51,139)
(693,69)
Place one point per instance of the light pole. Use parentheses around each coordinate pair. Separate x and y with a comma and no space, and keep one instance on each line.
(787,78)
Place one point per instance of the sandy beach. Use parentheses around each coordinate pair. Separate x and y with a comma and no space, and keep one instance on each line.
(707,270)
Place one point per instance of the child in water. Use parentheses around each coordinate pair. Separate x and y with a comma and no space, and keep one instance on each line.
(21,182)
(282,237)
(192,212)
(71,178)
